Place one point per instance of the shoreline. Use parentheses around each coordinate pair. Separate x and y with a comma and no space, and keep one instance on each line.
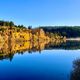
(73,39)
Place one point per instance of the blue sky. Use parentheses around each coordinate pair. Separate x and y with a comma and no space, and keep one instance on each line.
(41,12)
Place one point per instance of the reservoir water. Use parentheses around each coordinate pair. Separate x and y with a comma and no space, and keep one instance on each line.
(53,63)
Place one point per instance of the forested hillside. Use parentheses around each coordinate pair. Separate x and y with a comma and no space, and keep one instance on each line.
(68,31)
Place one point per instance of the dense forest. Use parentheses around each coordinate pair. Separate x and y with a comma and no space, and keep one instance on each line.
(68,31)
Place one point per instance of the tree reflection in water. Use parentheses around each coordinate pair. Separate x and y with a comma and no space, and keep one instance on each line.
(8,49)
(75,74)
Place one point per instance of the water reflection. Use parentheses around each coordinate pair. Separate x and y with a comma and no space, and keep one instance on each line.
(68,45)
(8,49)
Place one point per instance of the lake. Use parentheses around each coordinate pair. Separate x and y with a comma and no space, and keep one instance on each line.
(53,62)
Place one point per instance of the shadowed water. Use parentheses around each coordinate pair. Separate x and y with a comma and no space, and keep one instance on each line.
(40,60)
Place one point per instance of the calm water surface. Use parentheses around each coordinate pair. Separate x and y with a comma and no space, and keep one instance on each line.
(47,65)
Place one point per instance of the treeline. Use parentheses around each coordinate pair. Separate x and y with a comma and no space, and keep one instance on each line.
(6,23)
(11,24)
(68,31)
(65,31)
